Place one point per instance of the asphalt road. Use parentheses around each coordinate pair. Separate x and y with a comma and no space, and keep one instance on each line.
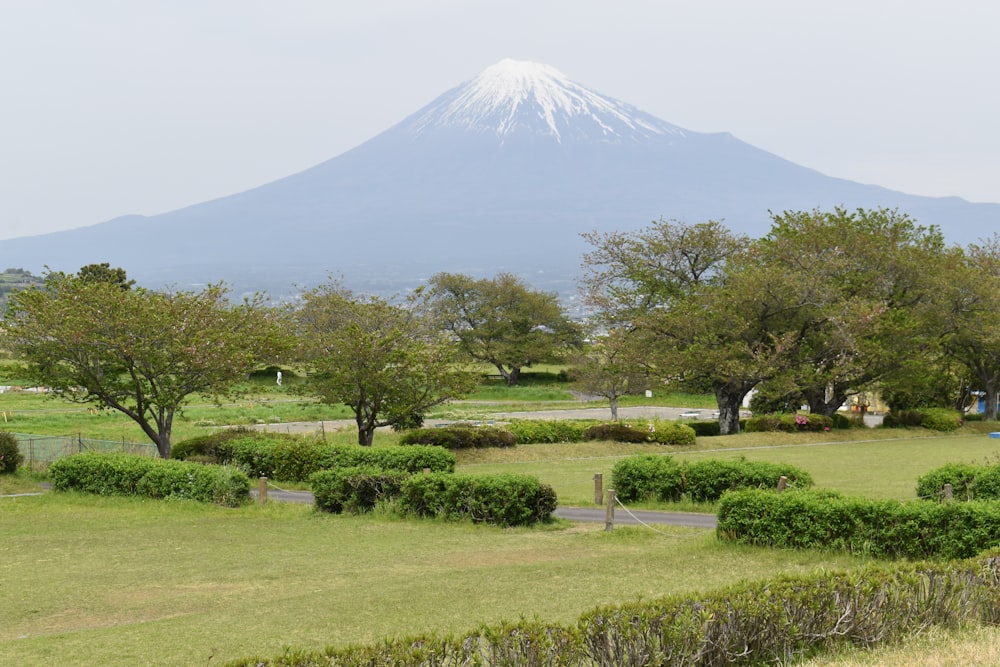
(580,514)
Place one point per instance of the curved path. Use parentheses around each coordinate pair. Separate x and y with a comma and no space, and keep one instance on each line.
(580,514)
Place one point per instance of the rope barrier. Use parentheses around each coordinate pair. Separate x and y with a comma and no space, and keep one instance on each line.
(640,521)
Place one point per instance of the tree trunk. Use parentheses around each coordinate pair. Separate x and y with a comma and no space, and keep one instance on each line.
(820,404)
(990,406)
(729,398)
(614,407)
(366,429)
(511,376)
(162,443)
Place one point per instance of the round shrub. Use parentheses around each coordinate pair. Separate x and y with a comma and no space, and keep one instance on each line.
(959,475)
(935,419)
(10,455)
(704,429)
(986,485)
(672,433)
(647,477)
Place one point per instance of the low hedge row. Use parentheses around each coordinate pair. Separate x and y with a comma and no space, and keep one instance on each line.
(756,623)
(659,431)
(935,419)
(128,475)
(294,458)
(879,528)
(968,482)
(502,500)
(356,489)
(547,431)
(656,477)
(460,436)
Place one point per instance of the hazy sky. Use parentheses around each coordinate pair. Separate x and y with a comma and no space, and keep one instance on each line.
(111,107)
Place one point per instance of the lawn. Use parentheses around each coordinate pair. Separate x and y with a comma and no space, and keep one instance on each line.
(95,581)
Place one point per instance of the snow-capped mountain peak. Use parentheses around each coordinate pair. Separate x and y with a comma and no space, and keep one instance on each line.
(515,96)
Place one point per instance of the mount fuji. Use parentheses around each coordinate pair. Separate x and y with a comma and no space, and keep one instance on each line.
(500,173)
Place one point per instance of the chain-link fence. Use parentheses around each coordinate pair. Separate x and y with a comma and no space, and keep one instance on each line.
(39,449)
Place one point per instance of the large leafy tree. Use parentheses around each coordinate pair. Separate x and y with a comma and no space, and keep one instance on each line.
(703,308)
(968,312)
(502,321)
(141,352)
(388,362)
(873,274)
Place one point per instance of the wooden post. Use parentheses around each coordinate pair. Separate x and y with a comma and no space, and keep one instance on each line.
(609,516)
(598,489)
(782,483)
(262,491)
(948,493)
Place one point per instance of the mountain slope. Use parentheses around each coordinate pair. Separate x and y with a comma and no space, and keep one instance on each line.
(501,173)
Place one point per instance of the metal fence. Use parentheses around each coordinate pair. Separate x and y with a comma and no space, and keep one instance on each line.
(49,448)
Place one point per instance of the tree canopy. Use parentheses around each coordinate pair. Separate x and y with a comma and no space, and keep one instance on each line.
(501,321)
(141,352)
(388,362)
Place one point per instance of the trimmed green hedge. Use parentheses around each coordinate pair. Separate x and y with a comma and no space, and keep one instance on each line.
(756,623)
(659,431)
(878,528)
(649,477)
(294,458)
(128,475)
(547,431)
(935,419)
(460,436)
(968,482)
(502,500)
(355,490)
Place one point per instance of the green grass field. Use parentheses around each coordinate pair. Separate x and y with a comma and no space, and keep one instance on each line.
(97,581)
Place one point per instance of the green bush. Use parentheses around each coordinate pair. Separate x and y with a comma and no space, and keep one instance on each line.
(547,431)
(704,429)
(355,490)
(707,480)
(205,446)
(501,500)
(10,454)
(285,457)
(411,458)
(616,432)
(460,436)
(959,475)
(876,528)
(935,419)
(647,477)
(127,475)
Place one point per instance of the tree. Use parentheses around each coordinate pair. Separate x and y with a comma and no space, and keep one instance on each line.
(103,273)
(502,321)
(873,273)
(143,353)
(389,363)
(608,367)
(968,311)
